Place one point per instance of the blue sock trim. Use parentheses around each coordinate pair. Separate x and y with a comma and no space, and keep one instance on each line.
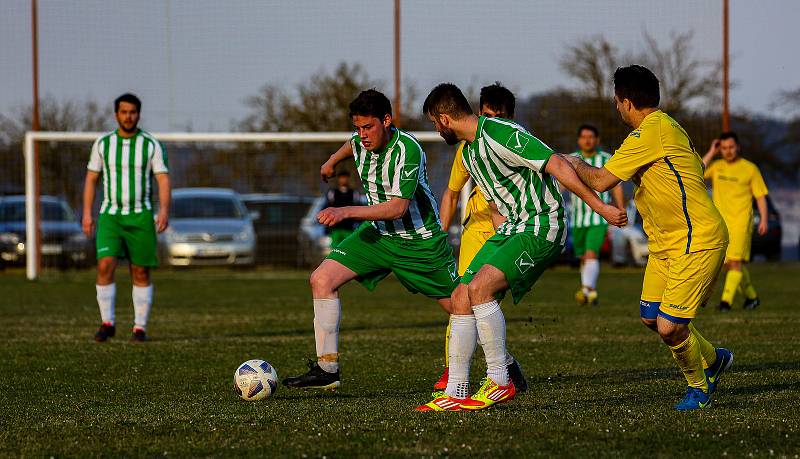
(673,319)
(649,309)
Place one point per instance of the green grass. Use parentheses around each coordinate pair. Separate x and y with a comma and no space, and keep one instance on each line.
(601,384)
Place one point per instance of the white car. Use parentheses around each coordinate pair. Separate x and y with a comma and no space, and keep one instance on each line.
(629,243)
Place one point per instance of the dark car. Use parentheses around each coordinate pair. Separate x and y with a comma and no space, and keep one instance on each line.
(276,219)
(768,245)
(63,242)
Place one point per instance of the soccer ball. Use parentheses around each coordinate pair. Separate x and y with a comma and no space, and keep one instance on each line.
(255,380)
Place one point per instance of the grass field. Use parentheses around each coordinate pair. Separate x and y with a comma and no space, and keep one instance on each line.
(601,384)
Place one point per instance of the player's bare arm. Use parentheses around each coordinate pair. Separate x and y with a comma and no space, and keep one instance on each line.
(566,175)
(447,208)
(618,197)
(598,179)
(389,210)
(89,187)
(327,169)
(164,197)
(711,153)
(761,202)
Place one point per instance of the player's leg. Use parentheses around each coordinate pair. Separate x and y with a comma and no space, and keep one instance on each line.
(737,252)
(655,282)
(109,247)
(751,300)
(579,250)
(590,269)
(732,280)
(139,235)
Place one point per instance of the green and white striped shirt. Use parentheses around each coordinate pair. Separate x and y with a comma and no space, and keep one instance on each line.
(398,171)
(582,216)
(127,166)
(508,163)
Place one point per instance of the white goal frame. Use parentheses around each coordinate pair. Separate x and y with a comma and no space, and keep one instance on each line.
(32,227)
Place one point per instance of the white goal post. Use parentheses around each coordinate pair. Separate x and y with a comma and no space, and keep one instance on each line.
(32,227)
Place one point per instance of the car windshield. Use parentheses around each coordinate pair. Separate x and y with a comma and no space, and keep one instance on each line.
(51,212)
(205,207)
(279,213)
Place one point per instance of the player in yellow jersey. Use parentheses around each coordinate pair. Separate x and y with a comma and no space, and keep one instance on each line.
(480,221)
(687,236)
(735,181)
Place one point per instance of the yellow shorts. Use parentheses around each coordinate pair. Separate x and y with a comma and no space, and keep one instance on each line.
(739,244)
(472,239)
(678,286)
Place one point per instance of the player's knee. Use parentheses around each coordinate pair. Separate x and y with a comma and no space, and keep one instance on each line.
(320,281)
(105,268)
(649,323)
(140,275)
(460,303)
(673,332)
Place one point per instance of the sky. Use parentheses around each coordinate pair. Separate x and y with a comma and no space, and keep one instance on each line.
(193,62)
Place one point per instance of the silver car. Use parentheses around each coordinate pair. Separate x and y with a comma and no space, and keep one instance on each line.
(208,226)
(629,243)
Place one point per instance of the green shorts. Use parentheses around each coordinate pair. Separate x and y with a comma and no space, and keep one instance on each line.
(522,257)
(128,236)
(424,266)
(338,235)
(588,238)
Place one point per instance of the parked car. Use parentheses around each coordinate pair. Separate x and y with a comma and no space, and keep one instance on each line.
(277,219)
(768,245)
(208,226)
(629,243)
(314,242)
(63,242)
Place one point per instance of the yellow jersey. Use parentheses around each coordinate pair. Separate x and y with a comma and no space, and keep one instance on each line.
(734,187)
(479,214)
(679,216)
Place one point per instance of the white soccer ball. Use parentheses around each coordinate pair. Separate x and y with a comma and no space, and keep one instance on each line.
(255,380)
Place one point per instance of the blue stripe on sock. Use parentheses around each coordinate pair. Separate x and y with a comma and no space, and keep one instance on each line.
(673,319)
(649,309)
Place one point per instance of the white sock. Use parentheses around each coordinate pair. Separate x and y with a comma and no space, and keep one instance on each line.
(491,326)
(327,314)
(142,302)
(106,294)
(463,336)
(589,273)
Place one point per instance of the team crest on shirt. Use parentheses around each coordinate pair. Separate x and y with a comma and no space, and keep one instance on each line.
(524,262)
(409,173)
(517,141)
(453,269)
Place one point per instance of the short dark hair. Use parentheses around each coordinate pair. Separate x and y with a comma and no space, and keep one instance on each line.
(129,98)
(588,127)
(498,98)
(729,135)
(446,99)
(371,103)
(637,84)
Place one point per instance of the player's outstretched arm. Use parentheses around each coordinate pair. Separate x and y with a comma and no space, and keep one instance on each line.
(89,188)
(596,178)
(389,210)
(712,151)
(447,208)
(328,168)
(561,169)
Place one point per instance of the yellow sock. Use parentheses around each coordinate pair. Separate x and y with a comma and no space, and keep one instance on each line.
(732,281)
(746,286)
(690,360)
(706,349)
(447,345)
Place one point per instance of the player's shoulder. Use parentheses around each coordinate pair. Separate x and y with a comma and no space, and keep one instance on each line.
(496,124)
(408,141)
(149,137)
(105,136)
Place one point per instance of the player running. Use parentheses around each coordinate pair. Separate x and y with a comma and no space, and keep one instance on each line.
(518,173)
(401,233)
(480,221)
(588,227)
(127,158)
(687,237)
(735,182)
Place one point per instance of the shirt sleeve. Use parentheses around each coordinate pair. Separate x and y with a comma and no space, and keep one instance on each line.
(757,185)
(95,158)
(709,171)
(458,174)
(516,146)
(406,173)
(638,150)
(160,162)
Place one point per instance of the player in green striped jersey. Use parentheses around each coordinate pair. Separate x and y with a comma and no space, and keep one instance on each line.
(127,159)
(400,233)
(518,174)
(588,227)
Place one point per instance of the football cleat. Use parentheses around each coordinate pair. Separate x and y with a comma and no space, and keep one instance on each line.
(314,378)
(694,399)
(724,306)
(138,336)
(105,332)
(591,297)
(441,384)
(721,365)
(751,303)
(580,297)
(517,377)
(443,402)
(489,394)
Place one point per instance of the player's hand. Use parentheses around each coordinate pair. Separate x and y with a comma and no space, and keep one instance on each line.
(87,224)
(762,227)
(714,146)
(326,171)
(162,221)
(330,216)
(614,215)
